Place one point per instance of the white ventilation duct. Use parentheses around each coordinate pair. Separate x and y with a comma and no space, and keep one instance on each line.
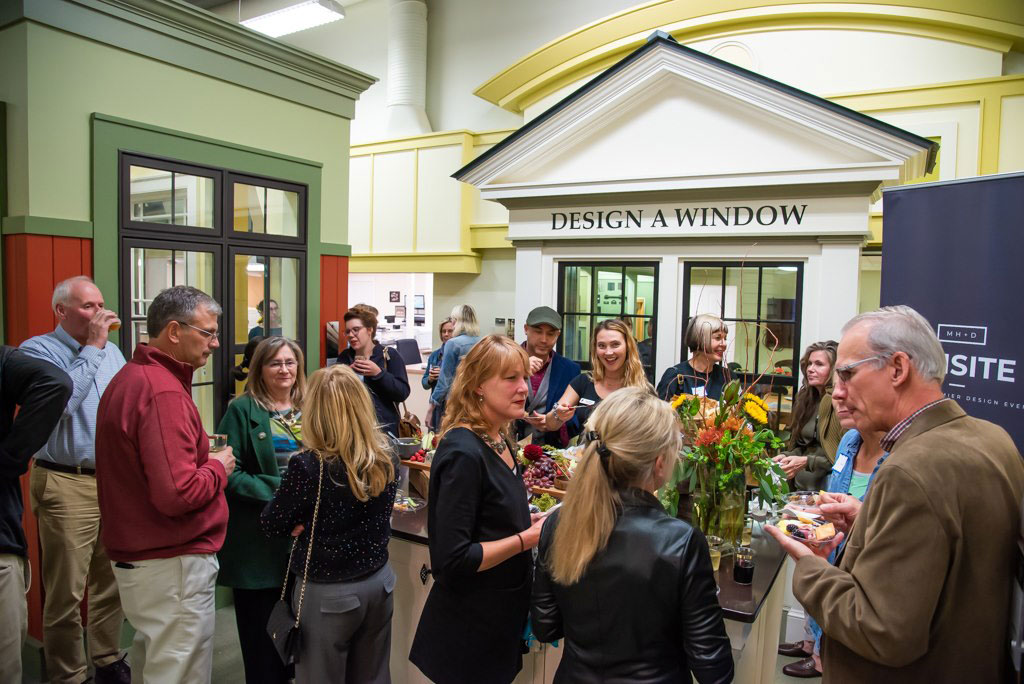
(407,68)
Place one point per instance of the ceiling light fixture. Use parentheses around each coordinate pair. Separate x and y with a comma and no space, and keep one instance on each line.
(298,17)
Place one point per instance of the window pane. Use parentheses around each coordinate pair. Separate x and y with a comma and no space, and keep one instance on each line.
(706,290)
(152,270)
(284,296)
(150,195)
(779,336)
(639,290)
(578,288)
(193,201)
(249,274)
(203,396)
(282,212)
(250,208)
(576,336)
(778,293)
(609,290)
(741,355)
(741,292)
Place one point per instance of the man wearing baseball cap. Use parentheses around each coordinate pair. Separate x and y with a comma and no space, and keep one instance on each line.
(550,374)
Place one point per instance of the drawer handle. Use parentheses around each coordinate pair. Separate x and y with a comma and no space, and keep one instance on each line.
(424,573)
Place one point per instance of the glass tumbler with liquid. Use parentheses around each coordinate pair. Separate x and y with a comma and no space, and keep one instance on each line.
(743,565)
(715,547)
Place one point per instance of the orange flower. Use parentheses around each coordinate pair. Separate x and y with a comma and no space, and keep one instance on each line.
(732,424)
(709,436)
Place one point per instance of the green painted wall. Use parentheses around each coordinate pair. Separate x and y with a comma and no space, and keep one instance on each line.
(70,78)
(14,91)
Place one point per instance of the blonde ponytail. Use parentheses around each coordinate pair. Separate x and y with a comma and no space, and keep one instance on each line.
(631,428)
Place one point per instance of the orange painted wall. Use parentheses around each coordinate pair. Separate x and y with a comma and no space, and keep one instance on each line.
(33,265)
(333,296)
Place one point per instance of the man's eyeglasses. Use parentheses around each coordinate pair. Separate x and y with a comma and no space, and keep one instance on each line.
(844,373)
(208,334)
(278,365)
(354,330)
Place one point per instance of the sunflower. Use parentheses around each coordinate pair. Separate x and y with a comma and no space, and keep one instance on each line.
(758,401)
(754,412)
(678,400)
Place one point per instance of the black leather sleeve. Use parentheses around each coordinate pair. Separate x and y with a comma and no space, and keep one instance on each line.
(708,651)
(545,617)
(41,390)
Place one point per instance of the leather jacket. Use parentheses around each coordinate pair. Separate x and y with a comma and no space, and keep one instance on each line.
(645,610)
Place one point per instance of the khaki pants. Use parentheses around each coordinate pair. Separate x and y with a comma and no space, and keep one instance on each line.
(170,603)
(72,558)
(13,614)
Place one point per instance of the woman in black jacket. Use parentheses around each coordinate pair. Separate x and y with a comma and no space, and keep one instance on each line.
(629,588)
(479,525)
(383,371)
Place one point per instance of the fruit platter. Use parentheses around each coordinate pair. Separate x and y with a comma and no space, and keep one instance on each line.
(547,469)
(420,460)
(804,501)
(809,528)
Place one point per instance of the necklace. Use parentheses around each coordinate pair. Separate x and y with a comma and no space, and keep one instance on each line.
(288,418)
(498,446)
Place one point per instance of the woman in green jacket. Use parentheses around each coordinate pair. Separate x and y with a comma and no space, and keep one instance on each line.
(264,429)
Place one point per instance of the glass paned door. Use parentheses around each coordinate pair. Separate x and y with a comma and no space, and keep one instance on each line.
(155,266)
(266,298)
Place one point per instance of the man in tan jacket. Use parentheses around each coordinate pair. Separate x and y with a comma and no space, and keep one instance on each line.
(921,591)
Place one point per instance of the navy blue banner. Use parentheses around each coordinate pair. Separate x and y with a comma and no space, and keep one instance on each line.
(955,252)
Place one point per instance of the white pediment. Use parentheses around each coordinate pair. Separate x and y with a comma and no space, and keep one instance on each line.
(668,118)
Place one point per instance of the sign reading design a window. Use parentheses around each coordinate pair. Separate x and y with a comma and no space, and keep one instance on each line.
(786,217)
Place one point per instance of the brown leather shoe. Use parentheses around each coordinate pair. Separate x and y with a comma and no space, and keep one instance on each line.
(802,669)
(793,650)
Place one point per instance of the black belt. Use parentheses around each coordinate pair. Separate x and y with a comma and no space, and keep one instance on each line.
(61,468)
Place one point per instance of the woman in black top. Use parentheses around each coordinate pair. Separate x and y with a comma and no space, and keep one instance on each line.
(346,608)
(702,374)
(616,363)
(382,371)
(479,526)
(629,588)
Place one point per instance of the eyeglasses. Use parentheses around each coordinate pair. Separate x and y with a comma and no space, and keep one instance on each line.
(353,331)
(845,373)
(208,334)
(278,365)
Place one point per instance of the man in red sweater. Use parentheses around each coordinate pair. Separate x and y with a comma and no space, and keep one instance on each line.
(161,490)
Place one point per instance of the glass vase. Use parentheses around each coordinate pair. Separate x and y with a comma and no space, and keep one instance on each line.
(721,511)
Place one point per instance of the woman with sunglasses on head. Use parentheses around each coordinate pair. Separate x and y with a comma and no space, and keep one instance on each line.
(629,588)
(479,526)
(616,363)
(336,498)
(814,430)
(264,428)
(382,370)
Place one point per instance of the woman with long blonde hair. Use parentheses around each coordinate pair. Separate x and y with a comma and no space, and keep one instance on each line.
(479,526)
(616,364)
(337,495)
(612,545)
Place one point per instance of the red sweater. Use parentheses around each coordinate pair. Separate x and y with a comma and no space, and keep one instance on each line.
(160,495)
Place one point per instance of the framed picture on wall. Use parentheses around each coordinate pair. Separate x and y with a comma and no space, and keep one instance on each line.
(400,311)
(396,296)
(418,302)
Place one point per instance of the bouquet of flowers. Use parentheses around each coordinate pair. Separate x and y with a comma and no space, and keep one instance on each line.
(724,445)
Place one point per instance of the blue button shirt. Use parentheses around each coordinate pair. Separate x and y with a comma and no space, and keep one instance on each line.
(73,442)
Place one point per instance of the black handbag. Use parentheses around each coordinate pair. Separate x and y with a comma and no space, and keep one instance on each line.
(283,625)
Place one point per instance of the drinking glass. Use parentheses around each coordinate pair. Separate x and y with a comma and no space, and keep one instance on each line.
(218,442)
(743,565)
(748,531)
(715,547)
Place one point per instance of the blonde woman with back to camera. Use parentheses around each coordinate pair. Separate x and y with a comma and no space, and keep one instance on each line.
(479,525)
(346,609)
(465,333)
(628,587)
(616,363)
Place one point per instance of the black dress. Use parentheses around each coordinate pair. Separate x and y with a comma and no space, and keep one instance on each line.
(644,611)
(583,385)
(472,624)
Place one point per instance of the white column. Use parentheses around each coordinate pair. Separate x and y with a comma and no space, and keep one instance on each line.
(530,277)
(839,284)
(670,305)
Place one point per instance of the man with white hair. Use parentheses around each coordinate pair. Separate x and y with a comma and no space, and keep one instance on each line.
(921,590)
(63,494)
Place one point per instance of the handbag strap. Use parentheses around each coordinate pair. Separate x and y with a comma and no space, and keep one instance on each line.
(309,550)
